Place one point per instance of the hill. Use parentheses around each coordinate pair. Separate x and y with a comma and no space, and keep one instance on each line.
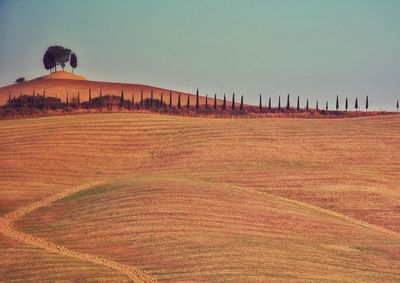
(186,199)
(59,83)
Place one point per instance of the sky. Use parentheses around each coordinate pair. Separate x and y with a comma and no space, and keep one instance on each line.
(314,49)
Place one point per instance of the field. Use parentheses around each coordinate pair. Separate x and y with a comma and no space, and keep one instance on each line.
(150,197)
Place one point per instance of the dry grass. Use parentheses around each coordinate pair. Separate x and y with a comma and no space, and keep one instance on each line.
(189,199)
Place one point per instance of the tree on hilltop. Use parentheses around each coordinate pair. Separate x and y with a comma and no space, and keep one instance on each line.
(49,61)
(61,55)
(73,62)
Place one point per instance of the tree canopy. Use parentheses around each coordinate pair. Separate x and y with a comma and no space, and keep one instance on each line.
(56,55)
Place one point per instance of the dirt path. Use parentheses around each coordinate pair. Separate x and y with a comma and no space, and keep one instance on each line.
(8,229)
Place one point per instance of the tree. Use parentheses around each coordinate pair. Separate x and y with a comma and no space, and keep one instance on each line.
(67,101)
(151,98)
(288,102)
(44,100)
(206,101)
(9,100)
(279,102)
(61,55)
(233,101)
(79,100)
(397,106)
(307,105)
(298,103)
(49,61)
(20,80)
(162,99)
(73,62)
(316,105)
(179,101)
(215,101)
(241,103)
(133,100)
(197,100)
(366,103)
(141,99)
(346,105)
(356,104)
(269,104)
(33,100)
(122,99)
(337,102)
(90,98)
(224,103)
(326,106)
(188,102)
(101,98)
(260,104)
(170,99)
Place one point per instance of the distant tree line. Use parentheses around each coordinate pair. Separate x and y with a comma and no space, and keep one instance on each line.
(107,101)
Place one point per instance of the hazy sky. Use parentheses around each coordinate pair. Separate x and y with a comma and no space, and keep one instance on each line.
(311,48)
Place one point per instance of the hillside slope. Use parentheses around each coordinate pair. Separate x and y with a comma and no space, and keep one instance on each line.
(191,199)
(59,83)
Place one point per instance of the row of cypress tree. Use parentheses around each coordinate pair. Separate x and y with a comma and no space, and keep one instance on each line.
(43,102)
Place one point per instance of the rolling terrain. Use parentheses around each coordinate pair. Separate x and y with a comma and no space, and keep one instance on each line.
(59,83)
(172,198)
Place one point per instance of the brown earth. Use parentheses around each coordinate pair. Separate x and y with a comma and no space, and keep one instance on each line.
(189,199)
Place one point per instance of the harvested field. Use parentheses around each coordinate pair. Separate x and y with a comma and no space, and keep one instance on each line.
(199,199)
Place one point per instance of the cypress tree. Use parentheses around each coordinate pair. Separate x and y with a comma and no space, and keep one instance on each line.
(288,102)
(179,101)
(215,101)
(346,105)
(90,98)
(260,104)
(170,99)
(269,103)
(241,103)
(366,104)
(337,102)
(316,105)
(101,98)
(188,102)
(279,102)
(122,99)
(326,107)
(397,106)
(224,104)
(33,100)
(206,101)
(21,100)
(307,105)
(44,100)
(298,103)
(133,100)
(67,102)
(356,104)
(9,100)
(141,99)
(197,100)
(151,98)
(162,100)
(233,102)
(79,100)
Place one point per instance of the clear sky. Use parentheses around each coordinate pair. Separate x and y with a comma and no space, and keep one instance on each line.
(311,48)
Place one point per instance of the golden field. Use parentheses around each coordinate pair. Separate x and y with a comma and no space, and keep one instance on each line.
(133,196)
